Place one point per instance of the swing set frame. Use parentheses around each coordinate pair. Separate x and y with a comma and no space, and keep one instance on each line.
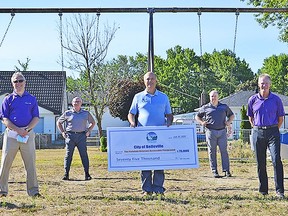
(150,11)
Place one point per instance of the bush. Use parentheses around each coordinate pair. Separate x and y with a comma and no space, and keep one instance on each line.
(103,144)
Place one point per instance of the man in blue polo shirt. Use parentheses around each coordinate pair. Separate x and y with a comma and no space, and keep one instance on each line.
(266,115)
(153,109)
(215,117)
(20,114)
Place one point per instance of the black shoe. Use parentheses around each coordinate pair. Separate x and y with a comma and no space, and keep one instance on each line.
(228,174)
(280,195)
(147,194)
(37,195)
(160,194)
(87,177)
(65,177)
(215,174)
(264,193)
(3,195)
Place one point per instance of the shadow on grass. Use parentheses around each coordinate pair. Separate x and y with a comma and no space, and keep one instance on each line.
(8,205)
(182,200)
(95,178)
(136,198)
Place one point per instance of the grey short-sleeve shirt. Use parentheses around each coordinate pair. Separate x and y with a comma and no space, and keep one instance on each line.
(76,121)
(215,116)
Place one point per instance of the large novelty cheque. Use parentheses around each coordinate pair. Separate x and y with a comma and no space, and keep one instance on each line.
(152,148)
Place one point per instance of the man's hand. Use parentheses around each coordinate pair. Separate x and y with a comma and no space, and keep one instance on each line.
(204,123)
(132,124)
(64,135)
(22,132)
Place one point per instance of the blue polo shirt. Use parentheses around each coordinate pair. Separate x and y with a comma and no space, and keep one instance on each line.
(20,110)
(265,111)
(150,108)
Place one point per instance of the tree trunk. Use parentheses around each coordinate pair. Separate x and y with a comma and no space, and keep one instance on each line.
(100,132)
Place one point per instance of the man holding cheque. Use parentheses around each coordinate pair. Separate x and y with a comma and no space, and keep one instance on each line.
(153,109)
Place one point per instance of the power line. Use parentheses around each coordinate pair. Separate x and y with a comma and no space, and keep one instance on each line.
(181,92)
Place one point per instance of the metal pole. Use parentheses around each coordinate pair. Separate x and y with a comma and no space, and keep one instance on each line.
(151,43)
(143,10)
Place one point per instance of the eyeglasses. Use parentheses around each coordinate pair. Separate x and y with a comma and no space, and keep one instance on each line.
(18,81)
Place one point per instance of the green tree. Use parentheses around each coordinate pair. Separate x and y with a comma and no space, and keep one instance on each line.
(249,85)
(129,66)
(280,20)
(277,68)
(229,71)
(180,76)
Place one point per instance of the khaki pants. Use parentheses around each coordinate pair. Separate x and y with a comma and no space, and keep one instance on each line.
(9,151)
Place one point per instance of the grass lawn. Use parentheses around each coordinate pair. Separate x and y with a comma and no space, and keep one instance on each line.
(189,191)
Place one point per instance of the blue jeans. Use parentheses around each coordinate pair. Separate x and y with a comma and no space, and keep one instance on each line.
(153,184)
(72,141)
(269,138)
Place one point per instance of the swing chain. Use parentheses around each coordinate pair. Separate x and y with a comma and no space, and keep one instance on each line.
(200,34)
(234,48)
(61,39)
(236,27)
(97,30)
(12,17)
(202,99)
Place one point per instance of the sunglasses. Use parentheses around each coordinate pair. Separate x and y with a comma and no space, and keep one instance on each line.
(18,81)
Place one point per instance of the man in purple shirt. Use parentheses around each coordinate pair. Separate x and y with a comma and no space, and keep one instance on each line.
(266,114)
(20,114)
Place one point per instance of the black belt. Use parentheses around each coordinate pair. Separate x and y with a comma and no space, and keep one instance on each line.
(265,127)
(74,132)
(216,129)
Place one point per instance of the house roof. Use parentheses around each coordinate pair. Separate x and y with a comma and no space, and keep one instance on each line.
(240,98)
(49,87)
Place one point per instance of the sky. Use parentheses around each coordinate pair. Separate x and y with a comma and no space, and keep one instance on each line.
(36,36)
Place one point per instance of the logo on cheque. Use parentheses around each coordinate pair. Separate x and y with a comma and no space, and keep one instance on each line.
(151,137)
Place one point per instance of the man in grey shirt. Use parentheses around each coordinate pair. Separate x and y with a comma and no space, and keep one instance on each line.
(79,124)
(215,116)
